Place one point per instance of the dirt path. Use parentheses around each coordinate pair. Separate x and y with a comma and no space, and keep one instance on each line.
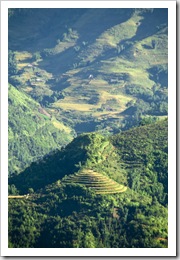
(18,196)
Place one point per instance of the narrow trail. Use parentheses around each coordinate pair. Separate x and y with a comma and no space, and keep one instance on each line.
(19,196)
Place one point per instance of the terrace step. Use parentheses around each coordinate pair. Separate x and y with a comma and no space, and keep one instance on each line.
(100,183)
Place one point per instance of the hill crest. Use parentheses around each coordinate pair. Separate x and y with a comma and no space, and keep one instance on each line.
(121,158)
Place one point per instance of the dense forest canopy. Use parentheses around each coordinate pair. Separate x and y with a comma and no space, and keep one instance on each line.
(96,192)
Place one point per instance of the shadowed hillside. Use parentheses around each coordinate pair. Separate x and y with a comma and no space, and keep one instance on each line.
(136,158)
(88,70)
(88,128)
(96,192)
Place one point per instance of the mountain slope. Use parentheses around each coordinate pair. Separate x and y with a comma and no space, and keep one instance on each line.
(85,151)
(98,182)
(136,158)
(74,200)
(93,67)
(31,132)
(144,152)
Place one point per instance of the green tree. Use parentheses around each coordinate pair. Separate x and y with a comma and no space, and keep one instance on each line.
(89,240)
(30,190)
(37,56)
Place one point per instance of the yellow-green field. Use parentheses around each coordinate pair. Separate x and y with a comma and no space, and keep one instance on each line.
(61,126)
(120,56)
(98,182)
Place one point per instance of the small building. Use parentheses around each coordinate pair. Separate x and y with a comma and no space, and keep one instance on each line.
(115,80)
(90,76)
(30,65)
(39,80)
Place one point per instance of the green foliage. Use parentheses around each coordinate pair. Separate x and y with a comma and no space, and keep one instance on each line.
(144,152)
(97,182)
(12,190)
(31,133)
(66,219)
(148,120)
(126,61)
(127,88)
(37,56)
(67,212)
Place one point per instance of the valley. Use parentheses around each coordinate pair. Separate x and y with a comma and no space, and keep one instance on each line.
(88,128)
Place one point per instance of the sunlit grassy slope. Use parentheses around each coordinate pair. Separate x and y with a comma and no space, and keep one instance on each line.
(82,66)
(87,70)
(32,131)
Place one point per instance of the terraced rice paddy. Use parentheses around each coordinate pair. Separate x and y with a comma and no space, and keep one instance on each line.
(100,183)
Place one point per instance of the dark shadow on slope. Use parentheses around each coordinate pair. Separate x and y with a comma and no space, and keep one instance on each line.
(59,63)
(151,23)
(89,126)
(91,24)
(52,167)
(96,21)
(159,75)
(34,29)
(130,111)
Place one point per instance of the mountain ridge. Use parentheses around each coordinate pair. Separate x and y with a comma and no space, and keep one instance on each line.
(88,128)
(127,64)
(81,205)
(113,157)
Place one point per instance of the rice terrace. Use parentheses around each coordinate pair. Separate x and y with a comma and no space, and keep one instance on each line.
(98,182)
(88,128)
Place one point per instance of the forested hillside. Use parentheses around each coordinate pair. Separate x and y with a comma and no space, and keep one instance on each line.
(97,192)
(32,131)
(88,128)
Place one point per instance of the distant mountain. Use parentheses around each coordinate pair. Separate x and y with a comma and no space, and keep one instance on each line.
(32,131)
(91,67)
(88,149)
(96,185)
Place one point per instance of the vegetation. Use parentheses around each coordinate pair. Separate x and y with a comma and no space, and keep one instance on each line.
(71,216)
(31,131)
(88,150)
(98,182)
(110,74)
(71,205)
(146,164)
